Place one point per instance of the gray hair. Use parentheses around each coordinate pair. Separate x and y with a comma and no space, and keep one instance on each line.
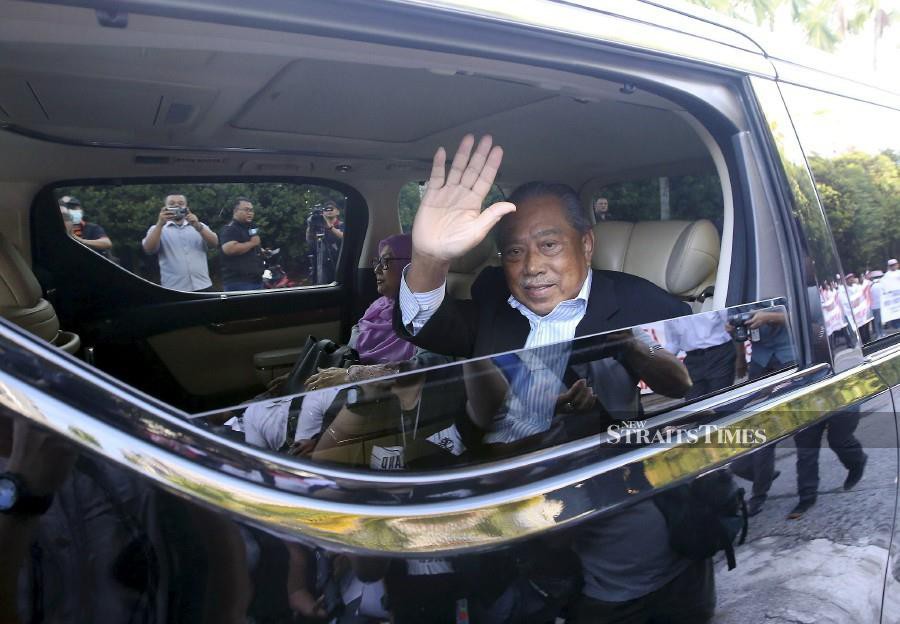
(563,192)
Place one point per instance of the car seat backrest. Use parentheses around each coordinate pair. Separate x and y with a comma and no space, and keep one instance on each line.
(678,256)
(22,303)
(464,270)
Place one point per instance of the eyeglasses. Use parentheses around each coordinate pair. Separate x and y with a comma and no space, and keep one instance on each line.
(383,263)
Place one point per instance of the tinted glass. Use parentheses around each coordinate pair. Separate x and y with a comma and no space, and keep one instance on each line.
(853,150)
(431,412)
(687,197)
(211,237)
(411,195)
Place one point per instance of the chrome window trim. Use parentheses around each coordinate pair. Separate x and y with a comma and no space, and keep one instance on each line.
(269,491)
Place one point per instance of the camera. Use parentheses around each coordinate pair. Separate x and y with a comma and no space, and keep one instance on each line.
(253,231)
(316,220)
(180,212)
(739,321)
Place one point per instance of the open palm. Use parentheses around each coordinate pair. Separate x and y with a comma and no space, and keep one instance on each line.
(450,221)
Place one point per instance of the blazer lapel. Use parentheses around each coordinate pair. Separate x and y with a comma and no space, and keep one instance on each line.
(510,329)
(601,308)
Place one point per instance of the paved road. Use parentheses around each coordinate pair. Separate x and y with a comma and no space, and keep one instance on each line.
(828,565)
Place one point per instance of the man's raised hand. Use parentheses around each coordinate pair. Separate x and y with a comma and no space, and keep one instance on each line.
(450,221)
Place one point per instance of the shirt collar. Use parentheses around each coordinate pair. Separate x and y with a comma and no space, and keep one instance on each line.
(172,223)
(578,304)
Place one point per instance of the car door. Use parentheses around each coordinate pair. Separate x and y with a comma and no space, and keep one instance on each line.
(161,337)
(195,524)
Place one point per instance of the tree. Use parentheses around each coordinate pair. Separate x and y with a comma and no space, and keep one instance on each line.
(127,211)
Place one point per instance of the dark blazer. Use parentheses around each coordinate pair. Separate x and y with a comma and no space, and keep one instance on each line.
(487,324)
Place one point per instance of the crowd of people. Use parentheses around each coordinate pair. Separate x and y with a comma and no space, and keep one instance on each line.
(181,242)
(870,301)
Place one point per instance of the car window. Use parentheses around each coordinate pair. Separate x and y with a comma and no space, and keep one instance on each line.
(660,198)
(852,150)
(434,412)
(411,194)
(211,237)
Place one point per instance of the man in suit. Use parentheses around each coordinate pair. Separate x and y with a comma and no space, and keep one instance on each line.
(543,297)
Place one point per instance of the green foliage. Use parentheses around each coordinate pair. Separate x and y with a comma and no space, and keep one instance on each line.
(126,212)
(411,195)
(861,196)
(690,197)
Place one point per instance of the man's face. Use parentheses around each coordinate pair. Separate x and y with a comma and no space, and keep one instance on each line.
(331,212)
(545,259)
(893,267)
(178,205)
(601,206)
(243,212)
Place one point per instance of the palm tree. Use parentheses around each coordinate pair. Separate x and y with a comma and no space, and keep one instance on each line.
(880,17)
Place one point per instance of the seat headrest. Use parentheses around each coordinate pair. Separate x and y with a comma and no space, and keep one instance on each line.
(675,255)
(474,260)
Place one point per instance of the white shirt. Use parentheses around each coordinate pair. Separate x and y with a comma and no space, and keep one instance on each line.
(536,377)
(701,331)
(875,292)
(182,257)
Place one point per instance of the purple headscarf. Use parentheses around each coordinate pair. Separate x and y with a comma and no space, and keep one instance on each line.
(377,343)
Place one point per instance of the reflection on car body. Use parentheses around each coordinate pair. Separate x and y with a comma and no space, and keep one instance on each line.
(172,455)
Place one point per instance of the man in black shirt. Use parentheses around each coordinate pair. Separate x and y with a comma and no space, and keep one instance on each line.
(242,264)
(89,234)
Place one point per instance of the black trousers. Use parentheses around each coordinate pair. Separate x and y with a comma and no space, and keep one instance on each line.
(710,369)
(689,598)
(841,440)
(759,466)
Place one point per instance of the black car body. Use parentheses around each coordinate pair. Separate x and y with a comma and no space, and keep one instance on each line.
(162,513)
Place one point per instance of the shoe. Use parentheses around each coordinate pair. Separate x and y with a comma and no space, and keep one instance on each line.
(801,508)
(755,505)
(855,473)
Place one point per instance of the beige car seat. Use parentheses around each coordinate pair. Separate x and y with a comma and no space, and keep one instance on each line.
(464,270)
(22,303)
(679,256)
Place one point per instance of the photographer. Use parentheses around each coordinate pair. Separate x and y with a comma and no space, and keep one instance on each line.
(181,241)
(89,234)
(325,233)
(772,350)
(242,264)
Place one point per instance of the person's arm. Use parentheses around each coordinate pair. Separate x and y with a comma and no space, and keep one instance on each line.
(30,448)
(486,391)
(660,369)
(234,248)
(100,244)
(450,221)
(151,241)
(336,231)
(209,237)
(767,317)
(300,595)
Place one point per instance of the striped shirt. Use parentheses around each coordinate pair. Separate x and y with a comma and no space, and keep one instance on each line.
(535,374)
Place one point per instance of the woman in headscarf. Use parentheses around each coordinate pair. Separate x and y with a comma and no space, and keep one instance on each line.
(373,337)
(267,424)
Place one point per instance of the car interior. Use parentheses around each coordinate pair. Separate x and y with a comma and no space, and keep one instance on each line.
(169,101)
